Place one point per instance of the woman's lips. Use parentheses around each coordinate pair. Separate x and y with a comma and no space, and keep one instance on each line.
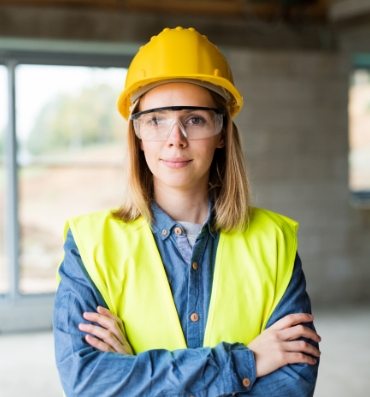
(176,163)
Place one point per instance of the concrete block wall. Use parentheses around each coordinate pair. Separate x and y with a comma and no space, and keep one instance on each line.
(294,129)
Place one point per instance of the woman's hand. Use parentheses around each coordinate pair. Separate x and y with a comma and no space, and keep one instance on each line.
(108,335)
(280,344)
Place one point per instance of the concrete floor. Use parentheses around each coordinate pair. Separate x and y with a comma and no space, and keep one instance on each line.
(27,362)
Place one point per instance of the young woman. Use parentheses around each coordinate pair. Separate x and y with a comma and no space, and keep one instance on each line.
(186,290)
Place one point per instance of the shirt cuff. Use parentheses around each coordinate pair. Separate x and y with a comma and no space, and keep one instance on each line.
(244,369)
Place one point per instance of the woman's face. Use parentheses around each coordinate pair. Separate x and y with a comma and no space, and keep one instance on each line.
(177,162)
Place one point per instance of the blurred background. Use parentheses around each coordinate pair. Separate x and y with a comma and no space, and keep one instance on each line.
(303,67)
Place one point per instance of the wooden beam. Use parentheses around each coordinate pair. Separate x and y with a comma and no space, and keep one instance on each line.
(208,7)
(265,9)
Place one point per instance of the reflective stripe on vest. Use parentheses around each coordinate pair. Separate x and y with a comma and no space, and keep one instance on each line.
(252,271)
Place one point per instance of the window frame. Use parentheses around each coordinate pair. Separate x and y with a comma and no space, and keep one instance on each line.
(360,199)
(21,312)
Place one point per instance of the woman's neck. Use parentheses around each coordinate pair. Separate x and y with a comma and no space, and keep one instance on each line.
(188,206)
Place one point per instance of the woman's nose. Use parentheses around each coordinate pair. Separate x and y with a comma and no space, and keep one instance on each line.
(177,135)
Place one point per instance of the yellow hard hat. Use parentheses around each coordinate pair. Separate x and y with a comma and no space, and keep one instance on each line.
(179,54)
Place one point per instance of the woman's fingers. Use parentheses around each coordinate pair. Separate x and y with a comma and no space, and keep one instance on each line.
(299,331)
(105,336)
(301,346)
(108,323)
(104,347)
(299,358)
(102,310)
(98,344)
(292,319)
(107,333)
(105,312)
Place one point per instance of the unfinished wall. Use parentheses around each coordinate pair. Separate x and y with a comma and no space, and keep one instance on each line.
(295,134)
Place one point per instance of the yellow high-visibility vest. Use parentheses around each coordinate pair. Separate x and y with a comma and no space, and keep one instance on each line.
(252,271)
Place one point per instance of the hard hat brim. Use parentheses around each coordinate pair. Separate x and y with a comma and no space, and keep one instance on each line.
(125,101)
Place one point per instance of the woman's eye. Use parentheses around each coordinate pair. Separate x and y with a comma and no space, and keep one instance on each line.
(196,120)
(152,121)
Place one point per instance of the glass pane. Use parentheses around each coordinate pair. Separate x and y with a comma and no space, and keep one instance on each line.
(359,135)
(70,149)
(4,285)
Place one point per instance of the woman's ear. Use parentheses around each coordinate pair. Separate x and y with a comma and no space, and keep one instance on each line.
(221,142)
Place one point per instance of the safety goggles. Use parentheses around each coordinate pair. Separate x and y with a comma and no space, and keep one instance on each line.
(194,122)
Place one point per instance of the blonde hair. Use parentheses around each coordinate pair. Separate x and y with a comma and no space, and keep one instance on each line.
(228,182)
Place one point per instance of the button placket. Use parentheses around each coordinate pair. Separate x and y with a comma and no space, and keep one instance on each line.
(196,316)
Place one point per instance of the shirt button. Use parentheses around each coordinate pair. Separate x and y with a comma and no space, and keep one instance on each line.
(246,382)
(194,265)
(178,230)
(194,317)
(164,232)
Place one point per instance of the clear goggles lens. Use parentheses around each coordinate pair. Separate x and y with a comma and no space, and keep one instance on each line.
(194,122)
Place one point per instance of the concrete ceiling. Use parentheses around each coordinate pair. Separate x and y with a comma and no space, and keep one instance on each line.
(270,24)
(303,10)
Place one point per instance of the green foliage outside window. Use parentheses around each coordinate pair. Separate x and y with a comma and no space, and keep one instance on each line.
(70,121)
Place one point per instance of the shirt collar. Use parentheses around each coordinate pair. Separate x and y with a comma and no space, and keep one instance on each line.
(163,224)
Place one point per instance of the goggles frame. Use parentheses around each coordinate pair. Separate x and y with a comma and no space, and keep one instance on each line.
(136,115)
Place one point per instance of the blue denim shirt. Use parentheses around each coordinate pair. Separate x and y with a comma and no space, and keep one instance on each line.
(196,371)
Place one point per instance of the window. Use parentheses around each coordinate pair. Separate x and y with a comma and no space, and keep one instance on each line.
(3,123)
(69,158)
(359,136)
(61,154)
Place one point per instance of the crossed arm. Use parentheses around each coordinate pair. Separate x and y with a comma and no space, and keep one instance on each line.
(94,357)
(277,346)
